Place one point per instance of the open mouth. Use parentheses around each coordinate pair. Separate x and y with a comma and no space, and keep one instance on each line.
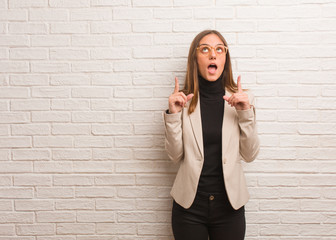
(212,68)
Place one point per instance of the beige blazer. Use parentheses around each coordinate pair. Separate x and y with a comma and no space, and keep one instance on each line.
(184,144)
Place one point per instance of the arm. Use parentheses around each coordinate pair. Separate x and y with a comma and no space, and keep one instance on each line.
(173,136)
(248,141)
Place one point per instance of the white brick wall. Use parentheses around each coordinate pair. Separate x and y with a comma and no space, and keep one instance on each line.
(83,84)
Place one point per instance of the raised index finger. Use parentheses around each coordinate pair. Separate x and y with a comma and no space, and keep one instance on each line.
(240,89)
(177,87)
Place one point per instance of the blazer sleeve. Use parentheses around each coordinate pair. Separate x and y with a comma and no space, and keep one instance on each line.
(173,136)
(248,141)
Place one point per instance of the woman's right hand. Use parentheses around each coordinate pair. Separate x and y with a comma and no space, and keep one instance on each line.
(177,100)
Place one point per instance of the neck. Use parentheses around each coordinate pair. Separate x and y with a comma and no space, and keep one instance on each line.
(211,89)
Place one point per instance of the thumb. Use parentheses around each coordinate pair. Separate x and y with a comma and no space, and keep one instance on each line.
(189,96)
(226,98)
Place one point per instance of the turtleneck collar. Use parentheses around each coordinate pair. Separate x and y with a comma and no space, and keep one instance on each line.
(211,90)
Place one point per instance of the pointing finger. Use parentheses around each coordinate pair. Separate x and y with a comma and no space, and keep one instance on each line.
(240,89)
(177,87)
(189,96)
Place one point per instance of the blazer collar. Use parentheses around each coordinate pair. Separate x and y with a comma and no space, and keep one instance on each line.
(228,121)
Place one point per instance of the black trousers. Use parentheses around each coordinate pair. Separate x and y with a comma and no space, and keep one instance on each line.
(211,216)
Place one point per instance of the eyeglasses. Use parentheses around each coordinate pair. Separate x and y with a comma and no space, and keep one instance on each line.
(206,49)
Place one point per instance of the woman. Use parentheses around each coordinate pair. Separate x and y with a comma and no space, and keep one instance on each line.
(209,127)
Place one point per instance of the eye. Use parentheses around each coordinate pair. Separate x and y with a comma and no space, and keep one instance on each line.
(219,49)
(205,49)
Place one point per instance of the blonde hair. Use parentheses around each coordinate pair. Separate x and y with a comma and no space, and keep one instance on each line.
(191,81)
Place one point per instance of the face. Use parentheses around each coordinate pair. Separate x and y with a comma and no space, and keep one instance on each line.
(211,59)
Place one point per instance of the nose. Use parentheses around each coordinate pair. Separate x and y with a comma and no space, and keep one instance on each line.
(212,53)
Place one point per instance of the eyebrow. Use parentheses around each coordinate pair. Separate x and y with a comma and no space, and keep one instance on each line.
(210,45)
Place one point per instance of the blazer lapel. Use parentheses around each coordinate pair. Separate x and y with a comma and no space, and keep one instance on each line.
(228,121)
(196,124)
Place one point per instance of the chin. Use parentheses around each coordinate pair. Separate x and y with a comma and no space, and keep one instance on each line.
(212,78)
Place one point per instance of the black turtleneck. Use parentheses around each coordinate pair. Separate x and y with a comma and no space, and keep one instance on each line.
(212,111)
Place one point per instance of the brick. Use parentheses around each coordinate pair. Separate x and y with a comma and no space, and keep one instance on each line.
(111,53)
(234,25)
(144,192)
(69,54)
(35,229)
(308,11)
(50,67)
(278,25)
(72,4)
(217,13)
(90,117)
(70,129)
(129,13)
(95,217)
(279,230)
(69,28)
(94,141)
(114,105)
(152,52)
(132,65)
(115,204)
(12,217)
(154,180)
(4,130)
(172,13)
(95,192)
(27,4)
(32,104)
(116,154)
(53,167)
(92,66)
(111,27)
(154,229)
(50,41)
(51,116)
(279,205)
(73,180)
(104,79)
(93,167)
(51,141)
(34,205)
(55,217)
(112,129)
(14,67)
(70,104)
(30,129)
(14,117)
(146,167)
(14,193)
(54,192)
(116,229)
(48,15)
(136,217)
(70,154)
(318,205)
(115,180)
(13,15)
(7,230)
(28,80)
(195,3)
(32,180)
(5,180)
(14,142)
(75,228)
(93,92)
(114,3)
(148,129)
(30,154)
(17,40)
(91,14)
(28,28)
(154,205)
(134,141)
(191,26)
(75,205)
(256,12)
(153,27)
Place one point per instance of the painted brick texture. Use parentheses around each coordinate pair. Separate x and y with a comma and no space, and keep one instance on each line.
(83,84)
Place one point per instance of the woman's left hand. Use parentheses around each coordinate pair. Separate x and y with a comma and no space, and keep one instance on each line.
(240,99)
